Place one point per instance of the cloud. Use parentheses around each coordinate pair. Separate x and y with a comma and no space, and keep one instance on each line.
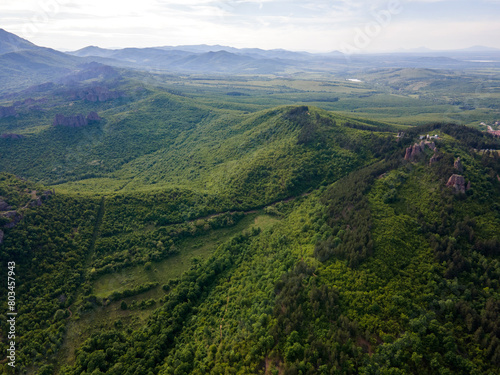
(293,24)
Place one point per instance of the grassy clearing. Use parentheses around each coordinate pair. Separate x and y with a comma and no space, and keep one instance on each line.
(112,316)
(192,248)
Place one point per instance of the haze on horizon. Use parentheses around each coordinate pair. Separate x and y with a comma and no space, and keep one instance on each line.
(308,25)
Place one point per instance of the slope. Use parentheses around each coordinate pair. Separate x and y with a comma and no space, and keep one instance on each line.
(361,277)
(387,269)
(12,43)
(150,139)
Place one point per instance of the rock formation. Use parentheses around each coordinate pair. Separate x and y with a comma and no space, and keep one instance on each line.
(458,165)
(14,216)
(1,236)
(435,158)
(70,121)
(7,111)
(414,151)
(458,183)
(4,206)
(93,116)
(75,121)
(431,145)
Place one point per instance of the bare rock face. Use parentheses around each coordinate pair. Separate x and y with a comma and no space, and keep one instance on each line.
(435,158)
(457,182)
(76,121)
(93,116)
(4,206)
(70,121)
(1,236)
(414,151)
(14,216)
(458,165)
(7,112)
(11,136)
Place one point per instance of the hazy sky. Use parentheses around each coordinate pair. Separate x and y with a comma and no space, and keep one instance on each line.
(319,25)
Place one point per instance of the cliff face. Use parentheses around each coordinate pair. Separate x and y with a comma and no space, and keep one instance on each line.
(75,121)
(70,121)
(435,158)
(93,116)
(457,182)
(414,151)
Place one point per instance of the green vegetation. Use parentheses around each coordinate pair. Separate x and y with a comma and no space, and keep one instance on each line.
(233,226)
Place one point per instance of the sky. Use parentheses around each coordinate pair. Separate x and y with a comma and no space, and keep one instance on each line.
(350,26)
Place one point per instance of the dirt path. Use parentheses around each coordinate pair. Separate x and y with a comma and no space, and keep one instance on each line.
(252,211)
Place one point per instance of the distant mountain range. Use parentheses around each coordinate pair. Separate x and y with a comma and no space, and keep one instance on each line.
(24,63)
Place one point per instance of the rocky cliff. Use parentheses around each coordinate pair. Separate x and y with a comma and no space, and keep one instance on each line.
(435,158)
(457,182)
(75,121)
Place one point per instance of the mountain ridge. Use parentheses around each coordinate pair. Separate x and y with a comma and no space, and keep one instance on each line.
(12,43)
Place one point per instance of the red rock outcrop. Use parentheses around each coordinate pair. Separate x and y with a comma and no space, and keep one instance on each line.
(93,116)
(458,165)
(70,121)
(457,182)
(75,121)
(435,158)
(414,151)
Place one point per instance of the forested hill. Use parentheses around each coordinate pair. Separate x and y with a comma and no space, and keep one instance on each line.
(308,243)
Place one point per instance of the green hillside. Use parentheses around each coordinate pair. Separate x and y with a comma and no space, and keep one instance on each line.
(289,240)
(160,225)
(214,210)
